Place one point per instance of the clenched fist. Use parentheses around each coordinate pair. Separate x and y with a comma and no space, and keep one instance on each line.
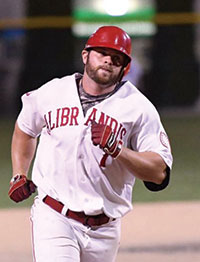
(20,188)
(103,136)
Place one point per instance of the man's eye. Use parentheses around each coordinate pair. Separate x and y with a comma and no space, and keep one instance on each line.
(104,53)
(117,60)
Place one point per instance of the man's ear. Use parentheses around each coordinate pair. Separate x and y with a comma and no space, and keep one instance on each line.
(84,56)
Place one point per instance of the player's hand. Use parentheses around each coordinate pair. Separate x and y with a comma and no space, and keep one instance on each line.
(103,136)
(21,188)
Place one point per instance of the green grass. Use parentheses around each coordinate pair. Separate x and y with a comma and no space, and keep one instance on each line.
(184,134)
(6,129)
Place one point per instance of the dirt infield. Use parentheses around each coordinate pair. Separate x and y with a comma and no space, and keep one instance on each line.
(167,232)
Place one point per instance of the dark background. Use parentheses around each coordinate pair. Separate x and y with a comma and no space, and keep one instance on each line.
(171,83)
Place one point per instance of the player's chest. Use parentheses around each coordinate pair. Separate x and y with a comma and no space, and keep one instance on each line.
(63,117)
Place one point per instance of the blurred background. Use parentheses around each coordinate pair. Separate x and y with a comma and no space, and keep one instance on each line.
(40,40)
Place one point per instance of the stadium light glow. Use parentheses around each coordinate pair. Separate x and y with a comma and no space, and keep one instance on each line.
(116,7)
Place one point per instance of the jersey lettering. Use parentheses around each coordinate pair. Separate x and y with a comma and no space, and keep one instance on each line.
(61,117)
(50,126)
(57,117)
(91,117)
(102,119)
(107,120)
(74,115)
(122,133)
(65,116)
(69,116)
(113,124)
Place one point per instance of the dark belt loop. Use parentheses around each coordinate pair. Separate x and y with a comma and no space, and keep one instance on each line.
(85,223)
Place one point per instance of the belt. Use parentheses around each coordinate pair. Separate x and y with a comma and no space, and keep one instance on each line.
(81,217)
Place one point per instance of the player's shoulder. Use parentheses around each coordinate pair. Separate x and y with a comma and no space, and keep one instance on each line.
(58,83)
(128,89)
(138,100)
(133,93)
(52,89)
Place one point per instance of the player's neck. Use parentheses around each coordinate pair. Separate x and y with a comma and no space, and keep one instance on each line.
(93,88)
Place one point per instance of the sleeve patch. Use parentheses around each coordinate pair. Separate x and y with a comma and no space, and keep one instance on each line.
(164,140)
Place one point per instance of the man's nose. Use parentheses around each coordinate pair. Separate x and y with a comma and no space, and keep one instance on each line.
(108,60)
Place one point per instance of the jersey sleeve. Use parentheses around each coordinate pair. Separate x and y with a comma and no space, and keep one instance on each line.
(30,120)
(150,135)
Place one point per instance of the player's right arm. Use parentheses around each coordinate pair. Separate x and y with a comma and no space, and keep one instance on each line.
(28,127)
(22,152)
(24,141)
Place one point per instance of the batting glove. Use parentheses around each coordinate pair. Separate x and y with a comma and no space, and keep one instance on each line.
(103,136)
(21,188)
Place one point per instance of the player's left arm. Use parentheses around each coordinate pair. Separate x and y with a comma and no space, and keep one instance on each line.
(147,166)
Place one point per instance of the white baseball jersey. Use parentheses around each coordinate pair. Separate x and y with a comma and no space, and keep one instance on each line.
(67,164)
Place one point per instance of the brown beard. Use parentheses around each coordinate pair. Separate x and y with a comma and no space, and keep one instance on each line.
(94,75)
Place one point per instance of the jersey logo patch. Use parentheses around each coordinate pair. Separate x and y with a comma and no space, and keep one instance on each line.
(164,140)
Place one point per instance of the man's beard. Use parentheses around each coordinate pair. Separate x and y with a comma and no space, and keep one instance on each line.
(105,79)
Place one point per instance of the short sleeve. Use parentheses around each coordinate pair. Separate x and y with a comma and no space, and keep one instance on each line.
(150,135)
(30,120)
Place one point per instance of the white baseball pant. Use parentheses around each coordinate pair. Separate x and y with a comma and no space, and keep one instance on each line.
(56,238)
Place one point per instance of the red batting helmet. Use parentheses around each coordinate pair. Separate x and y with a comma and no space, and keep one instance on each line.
(111,37)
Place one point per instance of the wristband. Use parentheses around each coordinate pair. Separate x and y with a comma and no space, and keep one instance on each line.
(116,151)
(15,178)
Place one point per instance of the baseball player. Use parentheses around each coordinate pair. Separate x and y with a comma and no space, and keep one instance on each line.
(97,134)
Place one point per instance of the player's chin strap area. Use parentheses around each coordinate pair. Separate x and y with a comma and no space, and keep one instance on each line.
(81,217)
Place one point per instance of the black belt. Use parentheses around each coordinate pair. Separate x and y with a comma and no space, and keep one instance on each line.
(97,220)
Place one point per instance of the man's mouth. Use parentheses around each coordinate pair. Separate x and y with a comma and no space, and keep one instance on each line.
(108,69)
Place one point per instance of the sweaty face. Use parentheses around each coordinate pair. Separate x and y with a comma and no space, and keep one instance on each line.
(104,65)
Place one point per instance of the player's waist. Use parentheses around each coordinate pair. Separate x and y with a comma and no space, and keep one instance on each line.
(81,217)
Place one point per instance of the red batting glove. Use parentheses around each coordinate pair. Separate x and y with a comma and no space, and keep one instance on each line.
(21,188)
(103,136)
